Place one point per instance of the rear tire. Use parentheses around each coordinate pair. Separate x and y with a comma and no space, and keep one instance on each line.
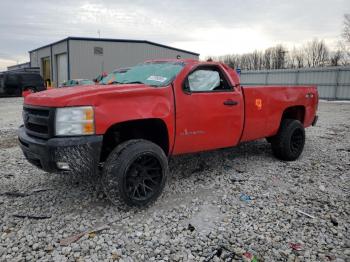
(288,144)
(135,173)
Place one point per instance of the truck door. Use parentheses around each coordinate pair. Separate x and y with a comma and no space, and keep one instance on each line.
(209,110)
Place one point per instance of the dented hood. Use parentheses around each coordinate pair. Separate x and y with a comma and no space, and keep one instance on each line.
(82,95)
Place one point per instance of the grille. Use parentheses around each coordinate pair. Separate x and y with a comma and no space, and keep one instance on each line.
(38,121)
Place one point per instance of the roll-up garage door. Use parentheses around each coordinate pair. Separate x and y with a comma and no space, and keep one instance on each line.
(62,68)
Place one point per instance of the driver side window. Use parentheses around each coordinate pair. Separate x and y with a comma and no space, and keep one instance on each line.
(206,80)
(203,80)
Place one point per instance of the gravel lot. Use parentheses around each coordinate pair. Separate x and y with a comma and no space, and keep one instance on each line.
(201,216)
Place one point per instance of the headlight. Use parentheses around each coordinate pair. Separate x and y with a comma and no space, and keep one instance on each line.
(71,121)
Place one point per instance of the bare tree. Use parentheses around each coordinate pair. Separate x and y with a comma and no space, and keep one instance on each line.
(346,29)
(300,59)
(335,57)
(295,58)
(278,57)
(291,60)
(267,58)
(316,53)
(345,53)
(246,62)
(344,46)
(257,60)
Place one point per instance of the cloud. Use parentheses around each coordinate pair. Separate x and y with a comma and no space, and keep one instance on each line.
(208,27)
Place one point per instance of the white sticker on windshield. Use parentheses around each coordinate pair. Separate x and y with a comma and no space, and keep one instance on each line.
(157,78)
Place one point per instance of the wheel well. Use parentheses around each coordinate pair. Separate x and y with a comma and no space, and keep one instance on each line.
(154,130)
(295,112)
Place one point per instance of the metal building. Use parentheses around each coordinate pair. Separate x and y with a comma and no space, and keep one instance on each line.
(78,57)
(18,66)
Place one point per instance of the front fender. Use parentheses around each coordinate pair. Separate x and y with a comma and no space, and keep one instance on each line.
(155,103)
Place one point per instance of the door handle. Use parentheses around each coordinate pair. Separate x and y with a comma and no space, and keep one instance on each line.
(230,102)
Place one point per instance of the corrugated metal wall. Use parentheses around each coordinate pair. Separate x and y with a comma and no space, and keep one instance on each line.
(51,53)
(85,64)
(332,82)
(35,57)
(58,49)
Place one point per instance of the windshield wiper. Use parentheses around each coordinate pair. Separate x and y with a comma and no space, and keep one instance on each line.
(114,82)
(133,82)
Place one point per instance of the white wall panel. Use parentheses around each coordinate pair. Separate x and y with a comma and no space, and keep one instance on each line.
(332,82)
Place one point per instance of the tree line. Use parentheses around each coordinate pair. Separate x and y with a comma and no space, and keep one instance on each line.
(314,53)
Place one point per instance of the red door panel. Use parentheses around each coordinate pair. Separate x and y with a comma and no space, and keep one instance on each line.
(207,120)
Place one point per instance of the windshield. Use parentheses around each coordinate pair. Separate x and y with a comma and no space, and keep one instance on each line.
(86,82)
(151,73)
(112,77)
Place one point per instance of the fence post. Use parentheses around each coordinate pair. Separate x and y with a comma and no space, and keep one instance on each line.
(337,84)
(266,77)
(297,77)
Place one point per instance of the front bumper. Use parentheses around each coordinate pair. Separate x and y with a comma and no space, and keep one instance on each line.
(82,154)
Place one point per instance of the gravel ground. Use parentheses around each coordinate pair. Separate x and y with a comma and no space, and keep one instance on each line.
(217,206)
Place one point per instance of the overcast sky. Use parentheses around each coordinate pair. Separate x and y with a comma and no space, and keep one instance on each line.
(208,27)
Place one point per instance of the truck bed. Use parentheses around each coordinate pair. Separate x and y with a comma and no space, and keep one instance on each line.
(265,105)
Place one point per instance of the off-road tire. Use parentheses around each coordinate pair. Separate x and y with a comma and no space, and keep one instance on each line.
(288,144)
(117,168)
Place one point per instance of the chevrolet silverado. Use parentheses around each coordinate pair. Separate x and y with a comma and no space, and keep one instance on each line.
(130,127)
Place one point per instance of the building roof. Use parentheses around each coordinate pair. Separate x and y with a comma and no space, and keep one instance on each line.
(18,65)
(114,40)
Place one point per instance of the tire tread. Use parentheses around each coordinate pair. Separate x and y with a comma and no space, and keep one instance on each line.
(281,142)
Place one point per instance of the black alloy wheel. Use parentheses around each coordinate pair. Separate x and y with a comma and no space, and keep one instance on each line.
(135,173)
(143,177)
(297,141)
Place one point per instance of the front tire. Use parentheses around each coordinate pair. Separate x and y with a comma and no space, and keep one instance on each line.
(135,173)
(288,144)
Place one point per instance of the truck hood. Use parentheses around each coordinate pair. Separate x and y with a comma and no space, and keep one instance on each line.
(82,95)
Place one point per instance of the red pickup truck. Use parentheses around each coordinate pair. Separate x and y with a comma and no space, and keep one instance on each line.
(129,128)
